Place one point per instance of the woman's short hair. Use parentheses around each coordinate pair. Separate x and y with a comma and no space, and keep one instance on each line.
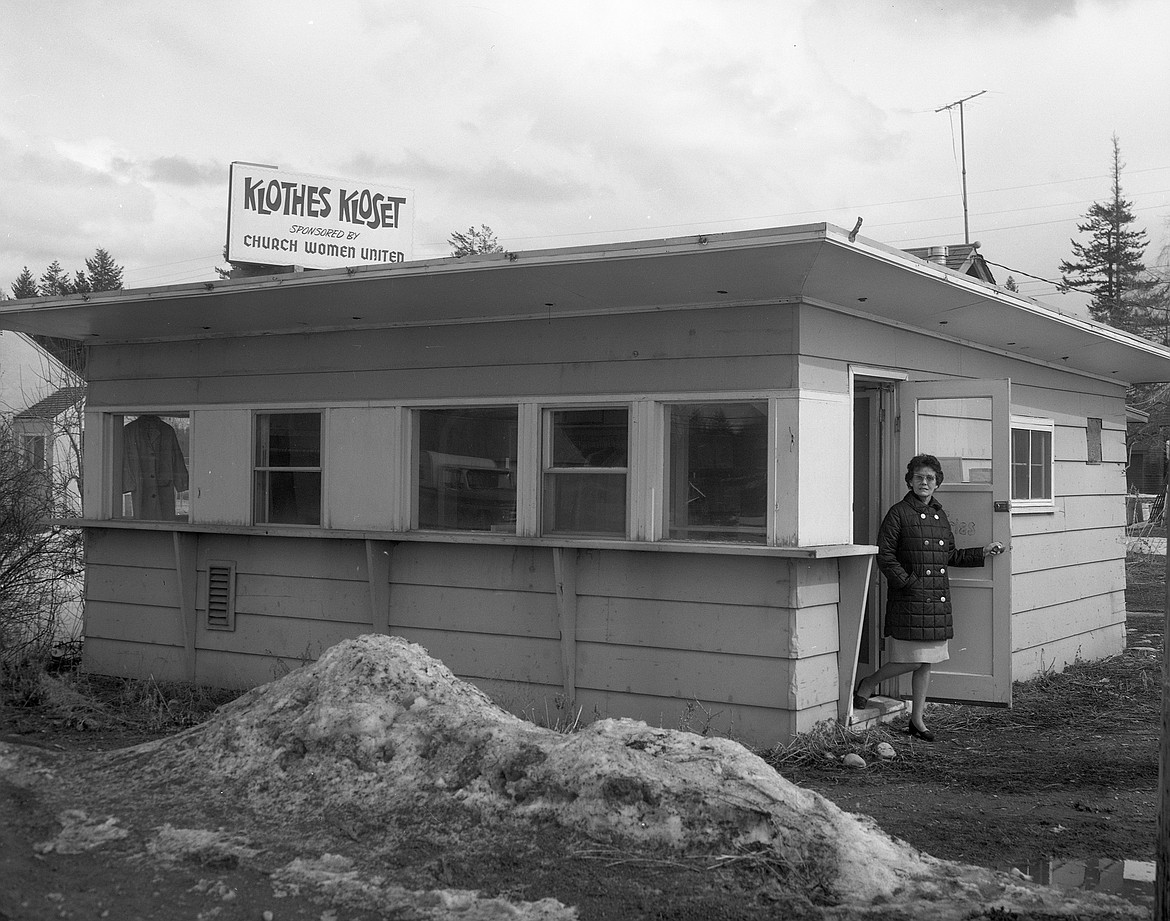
(919,461)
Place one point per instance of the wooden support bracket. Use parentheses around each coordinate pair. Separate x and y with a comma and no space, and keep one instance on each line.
(565,571)
(186,581)
(378,556)
(853,575)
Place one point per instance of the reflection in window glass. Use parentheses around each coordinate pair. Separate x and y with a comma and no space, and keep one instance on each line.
(958,433)
(288,468)
(1031,464)
(150,455)
(717,463)
(467,469)
(585,472)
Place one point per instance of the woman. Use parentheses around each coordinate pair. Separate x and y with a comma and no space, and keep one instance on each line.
(915,549)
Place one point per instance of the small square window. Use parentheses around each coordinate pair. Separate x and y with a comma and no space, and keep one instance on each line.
(288,469)
(586,457)
(717,467)
(467,469)
(150,466)
(1032,463)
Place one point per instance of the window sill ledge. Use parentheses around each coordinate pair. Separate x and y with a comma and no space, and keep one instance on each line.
(827,551)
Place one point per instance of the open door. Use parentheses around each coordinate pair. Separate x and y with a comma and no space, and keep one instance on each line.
(967,426)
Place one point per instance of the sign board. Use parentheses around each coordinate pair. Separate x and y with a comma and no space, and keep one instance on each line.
(281,218)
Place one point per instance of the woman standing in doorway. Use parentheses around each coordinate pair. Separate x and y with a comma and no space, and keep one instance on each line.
(915,550)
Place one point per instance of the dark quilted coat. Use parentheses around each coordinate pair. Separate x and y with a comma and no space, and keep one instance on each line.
(915,550)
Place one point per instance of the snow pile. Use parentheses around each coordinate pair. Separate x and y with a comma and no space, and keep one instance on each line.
(378,725)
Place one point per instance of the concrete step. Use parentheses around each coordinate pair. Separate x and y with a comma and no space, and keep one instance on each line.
(879,710)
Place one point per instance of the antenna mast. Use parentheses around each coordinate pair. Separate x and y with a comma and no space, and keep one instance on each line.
(963,149)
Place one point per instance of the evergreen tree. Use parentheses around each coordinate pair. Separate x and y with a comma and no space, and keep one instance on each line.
(1010,284)
(474,241)
(80,283)
(25,285)
(104,273)
(55,281)
(1109,266)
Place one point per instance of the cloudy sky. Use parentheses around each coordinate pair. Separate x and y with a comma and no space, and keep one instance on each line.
(562,124)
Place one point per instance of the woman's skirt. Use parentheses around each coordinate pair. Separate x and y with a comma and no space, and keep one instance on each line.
(916,652)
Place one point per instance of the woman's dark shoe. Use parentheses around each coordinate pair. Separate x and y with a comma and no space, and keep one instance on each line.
(859,702)
(924,734)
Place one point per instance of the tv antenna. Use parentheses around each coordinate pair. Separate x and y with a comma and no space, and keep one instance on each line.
(963,150)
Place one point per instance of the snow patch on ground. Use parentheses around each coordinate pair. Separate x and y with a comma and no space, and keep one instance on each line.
(336,878)
(378,728)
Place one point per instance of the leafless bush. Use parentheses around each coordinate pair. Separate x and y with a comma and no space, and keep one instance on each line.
(41,563)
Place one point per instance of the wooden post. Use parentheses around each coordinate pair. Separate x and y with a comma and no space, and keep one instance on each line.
(1162,845)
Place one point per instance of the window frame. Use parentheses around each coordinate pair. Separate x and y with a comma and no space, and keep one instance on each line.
(1045,426)
(413,483)
(112,482)
(256,468)
(547,468)
(664,512)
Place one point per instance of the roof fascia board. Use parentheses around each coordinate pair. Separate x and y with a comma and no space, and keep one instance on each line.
(955,340)
(983,290)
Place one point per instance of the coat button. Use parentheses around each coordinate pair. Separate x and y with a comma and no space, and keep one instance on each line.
(942,543)
(926,543)
(942,570)
(923,515)
(936,517)
(928,572)
(943,598)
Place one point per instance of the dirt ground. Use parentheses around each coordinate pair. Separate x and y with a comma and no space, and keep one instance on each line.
(1070,771)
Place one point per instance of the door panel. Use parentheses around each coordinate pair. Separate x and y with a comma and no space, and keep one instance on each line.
(967,426)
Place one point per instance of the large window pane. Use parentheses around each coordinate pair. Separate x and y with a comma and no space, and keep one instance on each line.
(717,464)
(288,468)
(150,464)
(467,469)
(585,472)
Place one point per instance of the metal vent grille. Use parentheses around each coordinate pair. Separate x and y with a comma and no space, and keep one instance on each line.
(221,596)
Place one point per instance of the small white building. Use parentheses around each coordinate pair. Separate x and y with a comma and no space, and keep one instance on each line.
(642,479)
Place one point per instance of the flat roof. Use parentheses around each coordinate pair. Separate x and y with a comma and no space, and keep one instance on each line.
(815,263)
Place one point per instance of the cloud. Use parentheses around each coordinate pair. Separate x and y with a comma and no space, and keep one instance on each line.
(176,170)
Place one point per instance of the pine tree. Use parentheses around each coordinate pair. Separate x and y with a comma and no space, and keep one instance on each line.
(1109,266)
(104,273)
(55,282)
(474,241)
(1010,284)
(25,285)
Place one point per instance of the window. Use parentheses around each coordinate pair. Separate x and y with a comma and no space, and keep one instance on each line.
(33,450)
(467,469)
(1032,462)
(150,466)
(586,457)
(717,470)
(288,469)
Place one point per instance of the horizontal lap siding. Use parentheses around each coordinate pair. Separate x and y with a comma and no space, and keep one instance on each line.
(1068,584)
(683,350)
(748,638)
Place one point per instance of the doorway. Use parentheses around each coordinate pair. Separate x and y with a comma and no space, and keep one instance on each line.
(873,446)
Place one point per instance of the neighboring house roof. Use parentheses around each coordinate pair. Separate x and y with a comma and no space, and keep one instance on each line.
(962,257)
(28,372)
(53,405)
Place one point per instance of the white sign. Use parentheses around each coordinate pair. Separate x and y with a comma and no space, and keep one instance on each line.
(279,218)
